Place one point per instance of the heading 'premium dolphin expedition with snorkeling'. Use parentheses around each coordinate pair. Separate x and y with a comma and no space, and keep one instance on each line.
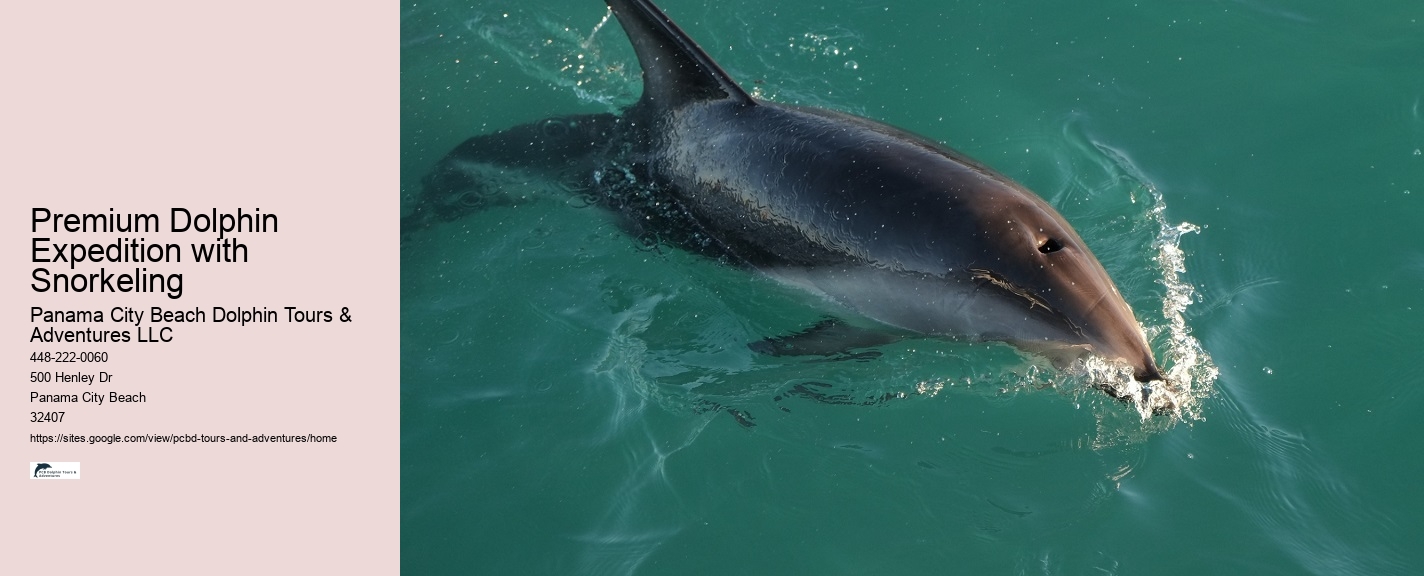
(134,250)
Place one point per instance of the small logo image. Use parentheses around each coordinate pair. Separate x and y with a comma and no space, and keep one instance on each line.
(54,470)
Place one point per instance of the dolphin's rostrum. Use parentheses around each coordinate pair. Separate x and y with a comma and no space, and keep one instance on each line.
(897,232)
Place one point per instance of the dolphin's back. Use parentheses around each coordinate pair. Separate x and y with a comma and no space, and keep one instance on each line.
(795,186)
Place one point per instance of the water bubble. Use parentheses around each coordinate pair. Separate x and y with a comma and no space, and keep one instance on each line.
(852,65)
(1268,370)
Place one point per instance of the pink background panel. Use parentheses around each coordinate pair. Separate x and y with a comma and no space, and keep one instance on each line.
(290,107)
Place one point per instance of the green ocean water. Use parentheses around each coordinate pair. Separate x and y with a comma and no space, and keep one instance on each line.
(1250,173)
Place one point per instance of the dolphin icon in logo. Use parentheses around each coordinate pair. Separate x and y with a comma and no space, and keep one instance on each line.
(41,466)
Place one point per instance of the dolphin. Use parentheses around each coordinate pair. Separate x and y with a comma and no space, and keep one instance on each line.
(900,235)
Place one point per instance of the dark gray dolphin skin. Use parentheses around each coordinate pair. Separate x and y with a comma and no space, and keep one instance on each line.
(898,232)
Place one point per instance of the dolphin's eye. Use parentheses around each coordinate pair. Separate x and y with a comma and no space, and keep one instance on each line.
(1050,246)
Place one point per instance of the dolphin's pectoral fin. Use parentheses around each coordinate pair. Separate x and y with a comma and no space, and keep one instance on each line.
(505,168)
(831,338)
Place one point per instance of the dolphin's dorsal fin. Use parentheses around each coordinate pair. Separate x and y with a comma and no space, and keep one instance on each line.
(675,70)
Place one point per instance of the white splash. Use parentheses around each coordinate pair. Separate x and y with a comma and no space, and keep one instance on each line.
(561,56)
(1190,372)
